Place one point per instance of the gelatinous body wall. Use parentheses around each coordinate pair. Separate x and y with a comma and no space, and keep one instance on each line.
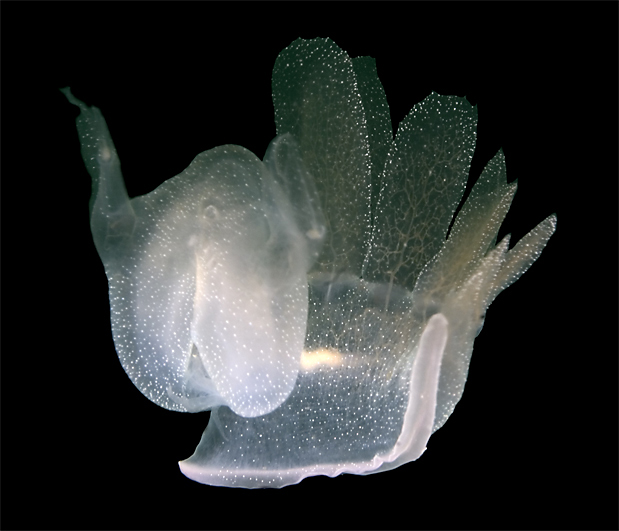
(311,300)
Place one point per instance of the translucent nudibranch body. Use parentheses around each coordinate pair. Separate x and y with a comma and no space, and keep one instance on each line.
(312,300)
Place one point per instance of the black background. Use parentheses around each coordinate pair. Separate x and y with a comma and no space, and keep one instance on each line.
(532,444)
